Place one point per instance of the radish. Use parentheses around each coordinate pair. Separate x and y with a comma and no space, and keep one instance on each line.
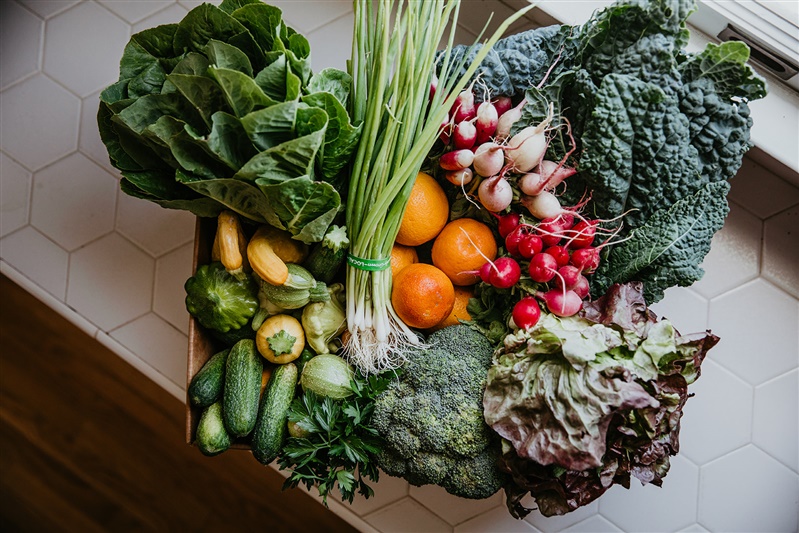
(464,135)
(446,129)
(502,104)
(560,253)
(486,122)
(545,205)
(457,159)
(561,302)
(526,312)
(530,245)
(464,108)
(526,148)
(586,259)
(513,240)
(568,276)
(531,183)
(505,273)
(583,234)
(554,173)
(495,194)
(543,268)
(459,177)
(552,229)
(507,223)
(433,86)
(581,287)
(488,159)
(507,120)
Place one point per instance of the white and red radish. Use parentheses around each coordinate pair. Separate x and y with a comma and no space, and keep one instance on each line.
(464,135)
(544,205)
(445,129)
(488,159)
(506,121)
(459,177)
(457,159)
(464,108)
(486,121)
(526,312)
(495,193)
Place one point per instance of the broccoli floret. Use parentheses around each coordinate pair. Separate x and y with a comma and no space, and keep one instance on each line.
(431,418)
(220,301)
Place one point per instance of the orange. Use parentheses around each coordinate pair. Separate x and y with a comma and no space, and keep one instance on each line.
(402,256)
(426,214)
(459,311)
(422,295)
(463,246)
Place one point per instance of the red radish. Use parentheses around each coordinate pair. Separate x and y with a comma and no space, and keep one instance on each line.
(502,104)
(530,245)
(561,302)
(495,194)
(586,259)
(543,268)
(560,253)
(488,159)
(464,108)
(459,177)
(582,288)
(582,234)
(486,122)
(526,312)
(457,159)
(507,120)
(464,135)
(545,205)
(553,229)
(568,276)
(507,223)
(513,239)
(484,272)
(505,273)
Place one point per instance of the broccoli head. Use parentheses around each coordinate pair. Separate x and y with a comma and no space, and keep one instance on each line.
(218,300)
(431,418)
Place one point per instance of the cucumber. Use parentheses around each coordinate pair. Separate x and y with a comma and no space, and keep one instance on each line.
(328,375)
(242,388)
(206,385)
(271,427)
(212,438)
(328,256)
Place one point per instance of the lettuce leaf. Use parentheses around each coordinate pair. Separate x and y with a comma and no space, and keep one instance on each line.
(590,401)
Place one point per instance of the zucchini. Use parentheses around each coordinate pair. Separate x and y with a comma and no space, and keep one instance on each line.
(242,388)
(328,375)
(271,427)
(212,438)
(206,385)
(296,294)
(329,255)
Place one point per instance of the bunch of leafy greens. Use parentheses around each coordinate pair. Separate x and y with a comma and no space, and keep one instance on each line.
(222,111)
(660,131)
(340,443)
(585,402)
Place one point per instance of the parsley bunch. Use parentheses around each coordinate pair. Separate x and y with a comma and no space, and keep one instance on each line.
(339,443)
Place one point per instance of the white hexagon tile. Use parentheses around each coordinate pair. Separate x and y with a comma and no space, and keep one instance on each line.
(116,266)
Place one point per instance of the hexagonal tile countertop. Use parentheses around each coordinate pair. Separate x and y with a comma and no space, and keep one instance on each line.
(70,237)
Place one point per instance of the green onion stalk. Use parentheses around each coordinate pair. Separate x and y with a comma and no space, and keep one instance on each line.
(394,54)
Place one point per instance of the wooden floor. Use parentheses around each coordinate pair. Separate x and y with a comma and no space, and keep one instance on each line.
(87,443)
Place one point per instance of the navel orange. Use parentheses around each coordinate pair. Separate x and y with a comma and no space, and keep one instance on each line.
(459,312)
(426,214)
(463,246)
(402,256)
(422,295)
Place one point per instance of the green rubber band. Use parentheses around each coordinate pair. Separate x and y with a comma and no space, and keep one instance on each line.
(371,265)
